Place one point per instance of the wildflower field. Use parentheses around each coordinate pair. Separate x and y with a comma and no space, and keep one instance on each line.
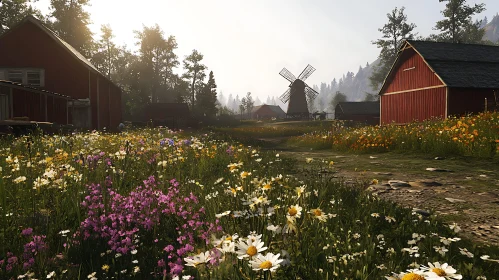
(157,204)
(476,135)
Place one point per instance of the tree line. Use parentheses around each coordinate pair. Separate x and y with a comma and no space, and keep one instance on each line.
(146,76)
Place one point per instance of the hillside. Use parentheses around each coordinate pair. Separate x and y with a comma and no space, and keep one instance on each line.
(492,30)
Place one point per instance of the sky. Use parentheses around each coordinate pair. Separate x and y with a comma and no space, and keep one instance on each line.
(247,43)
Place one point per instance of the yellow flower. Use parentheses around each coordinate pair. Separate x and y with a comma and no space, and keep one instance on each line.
(105,268)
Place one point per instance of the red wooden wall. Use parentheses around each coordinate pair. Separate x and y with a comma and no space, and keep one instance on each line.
(32,105)
(413,106)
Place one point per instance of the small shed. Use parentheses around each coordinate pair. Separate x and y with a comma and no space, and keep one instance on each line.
(358,112)
(438,80)
(265,111)
(172,115)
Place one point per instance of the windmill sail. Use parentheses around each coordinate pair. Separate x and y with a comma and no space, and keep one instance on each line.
(298,94)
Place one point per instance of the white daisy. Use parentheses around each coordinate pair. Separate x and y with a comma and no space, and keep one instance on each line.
(198,259)
(441,271)
(268,262)
(250,247)
(294,211)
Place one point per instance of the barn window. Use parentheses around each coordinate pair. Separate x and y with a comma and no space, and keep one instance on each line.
(26,76)
(16,76)
(33,78)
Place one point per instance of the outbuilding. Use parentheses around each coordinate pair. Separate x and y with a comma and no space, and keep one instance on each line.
(265,111)
(358,112)
(438,80)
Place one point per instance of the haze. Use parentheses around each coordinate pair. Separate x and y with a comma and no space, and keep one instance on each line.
(247,43)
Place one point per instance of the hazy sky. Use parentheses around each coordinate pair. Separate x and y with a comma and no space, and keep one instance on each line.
(247,43)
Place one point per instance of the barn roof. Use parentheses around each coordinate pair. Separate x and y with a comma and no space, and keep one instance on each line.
(457,65)
(358,108)
(275,108)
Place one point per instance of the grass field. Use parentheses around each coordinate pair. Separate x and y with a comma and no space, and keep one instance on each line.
(155,204)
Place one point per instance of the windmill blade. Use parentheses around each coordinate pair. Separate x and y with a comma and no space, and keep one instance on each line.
(285,96)
(306,72)
(287,75)
(310,93)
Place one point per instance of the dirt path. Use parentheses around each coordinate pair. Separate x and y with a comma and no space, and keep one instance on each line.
(465,191)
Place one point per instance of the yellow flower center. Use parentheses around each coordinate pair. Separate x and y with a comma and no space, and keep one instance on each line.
(266,265)
(439,271)
(251,251)
(412,276)
(267,187)
(229,238)
(292,211)
(317,212)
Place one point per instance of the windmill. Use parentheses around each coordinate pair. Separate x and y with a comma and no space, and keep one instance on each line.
(299,94)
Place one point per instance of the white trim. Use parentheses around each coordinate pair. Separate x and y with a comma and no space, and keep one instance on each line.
(416,89)
(410,68)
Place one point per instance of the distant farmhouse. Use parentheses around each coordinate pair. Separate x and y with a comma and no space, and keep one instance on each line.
(49,81)
(266,112)
(430,79)
(358,112)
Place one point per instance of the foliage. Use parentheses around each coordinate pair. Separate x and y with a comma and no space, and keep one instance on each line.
(96,206)
(13,11)
(394,33)
(70,22)
(106,56)
(458,26)
(195,73)
(207,98)
(337,98)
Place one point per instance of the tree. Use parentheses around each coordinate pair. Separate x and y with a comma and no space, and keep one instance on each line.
(71,24)
(371,97)
(157,61)
(394,33)
(194,72)
(13,11)
(107,53)
(337,98)
(458,23)
(249,104)
(207,98)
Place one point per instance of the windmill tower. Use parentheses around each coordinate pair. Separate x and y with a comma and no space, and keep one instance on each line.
(299,94)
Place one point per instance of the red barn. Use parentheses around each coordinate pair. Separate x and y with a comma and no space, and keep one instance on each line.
(33,55)
(433,79)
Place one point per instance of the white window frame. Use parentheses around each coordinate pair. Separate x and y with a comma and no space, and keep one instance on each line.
(5,72)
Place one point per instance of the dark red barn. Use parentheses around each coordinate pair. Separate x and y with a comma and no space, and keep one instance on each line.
(432,79)
(33,55)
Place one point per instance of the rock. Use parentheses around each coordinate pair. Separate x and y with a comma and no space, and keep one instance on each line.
(438,169)
(439,158)
(421,212)
(400,184)
(371,157)
(454,200)
(483,176)
(383,173)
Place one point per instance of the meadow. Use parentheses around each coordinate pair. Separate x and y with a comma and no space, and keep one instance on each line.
(474,135)
(159,204)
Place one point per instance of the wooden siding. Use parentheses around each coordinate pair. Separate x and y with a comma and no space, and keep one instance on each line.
(39,107)
(411,73)
(413,106)
(464,101)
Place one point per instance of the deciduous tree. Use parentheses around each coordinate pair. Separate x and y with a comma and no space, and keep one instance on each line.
(13,11)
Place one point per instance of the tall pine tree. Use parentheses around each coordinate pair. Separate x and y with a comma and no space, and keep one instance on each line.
(70,22)
(194,73)
(207,98)
(458,26)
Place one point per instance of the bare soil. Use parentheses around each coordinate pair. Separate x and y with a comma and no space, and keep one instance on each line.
(467,192)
